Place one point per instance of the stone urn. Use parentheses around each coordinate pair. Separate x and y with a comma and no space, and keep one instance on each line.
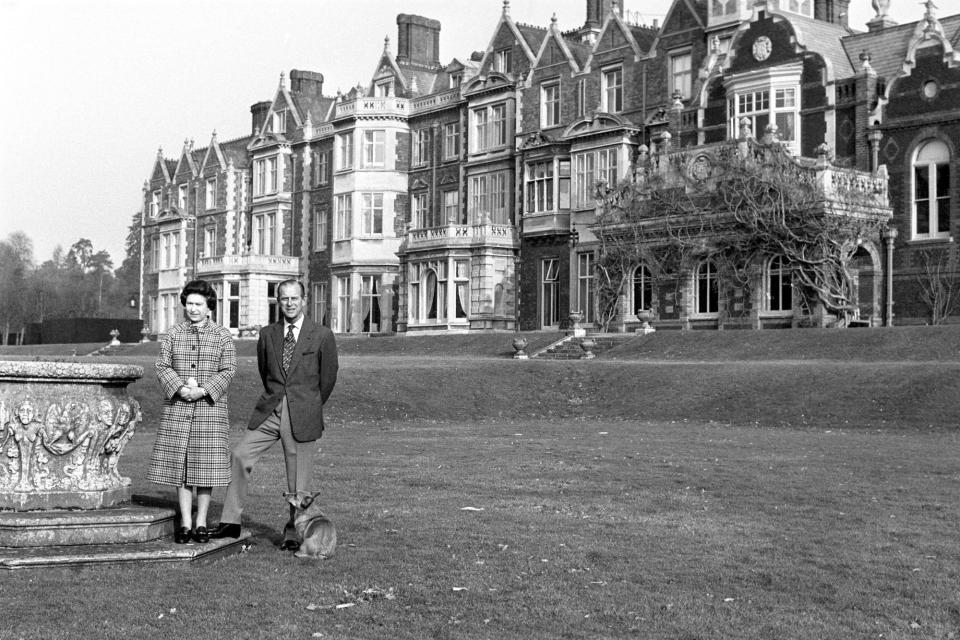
(519,346)
(575,318)
(63,427)
(645,316)
(114,337)
(587,344)
(145,332)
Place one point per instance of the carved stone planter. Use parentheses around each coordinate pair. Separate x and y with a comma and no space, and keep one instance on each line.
(63,427)
(520,346)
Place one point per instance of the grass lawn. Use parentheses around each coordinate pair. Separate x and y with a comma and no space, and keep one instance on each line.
(686,496)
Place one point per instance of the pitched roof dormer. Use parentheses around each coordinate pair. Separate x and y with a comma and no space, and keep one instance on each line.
(162,169)
(681,16)
(930,31)
(521,37)
(187,166)
(615,34)
(554,48)
(388,79)
(213,159)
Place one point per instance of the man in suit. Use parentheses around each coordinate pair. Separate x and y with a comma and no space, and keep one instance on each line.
(297,360)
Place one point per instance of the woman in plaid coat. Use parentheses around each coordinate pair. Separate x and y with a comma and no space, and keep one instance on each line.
(196,363)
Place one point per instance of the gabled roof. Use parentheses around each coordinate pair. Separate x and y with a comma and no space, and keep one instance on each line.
(697,9)
(554,36)
(187,162)
(889,48)
(214,156)
(162,168)
(527,36)
(614,21)
(235,151)
(387,64)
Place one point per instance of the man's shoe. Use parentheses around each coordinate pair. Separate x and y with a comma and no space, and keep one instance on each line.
(289,545)
(181,535)
(201,535)
(225,530)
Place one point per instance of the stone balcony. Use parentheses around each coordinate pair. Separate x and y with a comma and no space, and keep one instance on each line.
(464,236)
(435,101)
(373,107)
(249,263)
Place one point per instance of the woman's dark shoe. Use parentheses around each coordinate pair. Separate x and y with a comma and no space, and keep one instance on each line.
(182,535)
(201,535)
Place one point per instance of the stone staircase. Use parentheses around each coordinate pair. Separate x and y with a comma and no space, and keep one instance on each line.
(569,348)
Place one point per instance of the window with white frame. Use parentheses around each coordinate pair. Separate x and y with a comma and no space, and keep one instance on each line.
(759,110)
(264,234)
(612,90)
(344,310)
(720,8)
(549,293)
(210,194)
(456,79)
(370,304)
(779,285)
(374,148)
(210,241)
(182,198)
(706,291)
(343,211)
(384,89)
(580,98)
(321,167)
(681,74)
(488,198)
(154,204)
(451,140)
(503,60)
(232,311)
(372,214)
(265,175)
(461,281)
(931,190)
(590,168)
(320,229)
(419,215)
(585,286)
(550,104)
(489,127)
(318,301)
(345,151)
(540,187)
(641,289)
(451,208)
(420,147)
(803,7)
(155,253)
(171,250)
(280,121)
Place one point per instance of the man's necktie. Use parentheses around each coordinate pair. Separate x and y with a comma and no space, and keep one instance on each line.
(288,343)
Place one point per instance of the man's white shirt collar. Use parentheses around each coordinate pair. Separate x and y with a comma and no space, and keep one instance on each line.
(296,326)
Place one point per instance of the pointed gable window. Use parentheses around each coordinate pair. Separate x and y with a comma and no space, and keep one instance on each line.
(503,60)
(182,198)
(154,204)
(384,88)
(210,196)
(456,79)
(280,121)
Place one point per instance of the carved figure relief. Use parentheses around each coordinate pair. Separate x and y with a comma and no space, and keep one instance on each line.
(74,447)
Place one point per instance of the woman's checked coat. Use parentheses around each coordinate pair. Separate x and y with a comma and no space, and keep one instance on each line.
(192,445)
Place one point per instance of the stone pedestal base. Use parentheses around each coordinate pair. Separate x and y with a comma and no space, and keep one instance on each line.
(77,499)
(94,526)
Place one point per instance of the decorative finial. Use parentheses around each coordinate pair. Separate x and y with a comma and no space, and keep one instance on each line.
(553,20)
(882,7)
(386,44)
(506,7)
(159,152)
(865,58)
(283,80)
(930,14)
(214,134)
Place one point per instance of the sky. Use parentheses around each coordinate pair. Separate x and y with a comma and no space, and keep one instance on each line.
(94,87)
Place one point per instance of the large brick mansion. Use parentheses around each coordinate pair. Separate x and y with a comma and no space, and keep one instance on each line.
(459,194)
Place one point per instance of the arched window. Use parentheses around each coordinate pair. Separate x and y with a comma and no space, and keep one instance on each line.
(642,289)
(779,285)
(706,288)
(931,190)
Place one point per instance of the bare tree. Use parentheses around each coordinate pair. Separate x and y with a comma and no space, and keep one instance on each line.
(737,205)
(939,283)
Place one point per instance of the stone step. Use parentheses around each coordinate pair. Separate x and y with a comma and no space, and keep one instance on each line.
(164,550)
(62,527)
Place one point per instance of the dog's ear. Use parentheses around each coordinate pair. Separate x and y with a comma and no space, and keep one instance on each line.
(306,502)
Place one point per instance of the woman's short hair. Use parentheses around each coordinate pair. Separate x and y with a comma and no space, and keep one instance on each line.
(203,288)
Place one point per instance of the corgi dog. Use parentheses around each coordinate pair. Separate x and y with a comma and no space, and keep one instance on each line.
(318,536)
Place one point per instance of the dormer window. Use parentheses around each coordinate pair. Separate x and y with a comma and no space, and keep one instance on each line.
(280,121)
(154,204)
(612,95)
(384,88)
(456,79)
(182,197)
(802,7)
(503,60)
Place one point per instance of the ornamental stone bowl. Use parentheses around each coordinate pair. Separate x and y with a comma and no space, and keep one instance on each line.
(63,427)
